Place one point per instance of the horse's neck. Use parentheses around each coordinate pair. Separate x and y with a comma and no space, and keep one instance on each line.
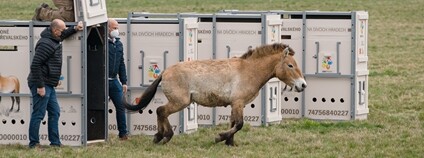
(262,69)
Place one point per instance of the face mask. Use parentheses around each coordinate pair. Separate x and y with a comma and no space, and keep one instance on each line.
(59,35)
(114,33)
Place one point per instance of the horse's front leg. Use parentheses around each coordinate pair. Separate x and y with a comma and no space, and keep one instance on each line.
(236,125)
(18,101)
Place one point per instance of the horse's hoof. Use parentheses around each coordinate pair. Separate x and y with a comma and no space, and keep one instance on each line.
(165,140)
(229,143)
(219,138)
(157,138)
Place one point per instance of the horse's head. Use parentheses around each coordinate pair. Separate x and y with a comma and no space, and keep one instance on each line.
(288,71)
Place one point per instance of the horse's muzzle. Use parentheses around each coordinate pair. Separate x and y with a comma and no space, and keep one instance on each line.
(300,85)
(301,89)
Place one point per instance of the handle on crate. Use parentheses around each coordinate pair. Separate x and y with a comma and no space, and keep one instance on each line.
(316,56)
(164,59)
(141,67)
(68,75)
(228,51)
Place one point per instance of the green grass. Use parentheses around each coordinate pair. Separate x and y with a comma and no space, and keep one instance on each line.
(395,124)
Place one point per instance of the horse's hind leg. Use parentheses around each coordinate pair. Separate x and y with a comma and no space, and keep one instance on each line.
(236,125)
(13,103)
(168,132)
(159,135)
(165,130)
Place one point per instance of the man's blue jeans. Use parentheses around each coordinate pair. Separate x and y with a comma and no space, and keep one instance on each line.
(115,94)
(40,105)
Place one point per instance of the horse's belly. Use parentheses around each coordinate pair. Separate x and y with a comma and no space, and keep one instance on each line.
(210,99)
(7,88)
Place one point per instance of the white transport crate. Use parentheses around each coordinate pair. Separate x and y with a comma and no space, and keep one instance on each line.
(332,51)
(152,45)
(82,112)
(335,63)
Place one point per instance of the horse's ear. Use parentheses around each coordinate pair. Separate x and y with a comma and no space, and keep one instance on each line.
(286,51)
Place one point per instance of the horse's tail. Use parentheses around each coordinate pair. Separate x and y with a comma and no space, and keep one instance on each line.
(145,98)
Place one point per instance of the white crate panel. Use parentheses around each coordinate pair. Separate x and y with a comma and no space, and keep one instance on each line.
(14,36)
(328,27)
(230,34)
(14,125)
(328,99)
(328,35)
(154,40)
(204,45)
(327,56)
(71,57)
(205,115)
(291,104)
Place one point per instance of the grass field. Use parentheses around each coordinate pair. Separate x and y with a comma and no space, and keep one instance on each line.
(395,124)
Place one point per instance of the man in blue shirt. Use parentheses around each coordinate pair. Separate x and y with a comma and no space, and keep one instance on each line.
(117,69)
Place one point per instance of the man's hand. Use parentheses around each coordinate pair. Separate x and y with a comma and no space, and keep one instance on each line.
(41,91)
(124,88)
(80,26)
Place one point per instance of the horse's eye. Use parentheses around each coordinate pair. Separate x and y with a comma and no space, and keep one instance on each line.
(290,65)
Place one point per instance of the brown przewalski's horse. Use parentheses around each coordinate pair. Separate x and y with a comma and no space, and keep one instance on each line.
(10,84)
(211,83)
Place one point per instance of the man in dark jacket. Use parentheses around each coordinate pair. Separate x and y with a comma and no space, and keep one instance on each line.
(117,68)
(44,75)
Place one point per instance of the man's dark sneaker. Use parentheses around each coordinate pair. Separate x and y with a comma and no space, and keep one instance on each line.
(124,137)
(58,146)
(36,146)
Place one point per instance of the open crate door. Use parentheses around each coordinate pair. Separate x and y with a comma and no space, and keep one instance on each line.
(271,93)
(91,11)
(189,42)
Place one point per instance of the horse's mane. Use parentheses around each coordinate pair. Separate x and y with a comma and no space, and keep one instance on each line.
(264,50)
